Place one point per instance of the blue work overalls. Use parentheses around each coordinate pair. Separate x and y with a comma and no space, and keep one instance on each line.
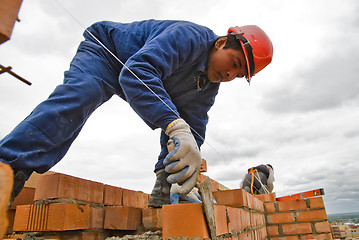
(168,56)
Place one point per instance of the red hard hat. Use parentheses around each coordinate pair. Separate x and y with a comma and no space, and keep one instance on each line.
(256,45)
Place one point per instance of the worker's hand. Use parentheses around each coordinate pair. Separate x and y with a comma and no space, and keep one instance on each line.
(193,196)
(184,159)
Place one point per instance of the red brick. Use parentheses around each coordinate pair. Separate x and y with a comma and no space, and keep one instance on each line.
(280,218)
(254,203)
(311,215)
(299,204)
(57,217)
(152,219)
(232,198)
(32,181)
(245,218)
(322,227)
(235,222)
(186,220)
(258,205)
(8,14)
(323,236)
(21,218)
(220,217)
(316,202)
(6,182)
(261,233)
(25,197)
(64,186)
(307,236)
(257,219)
(142,199)
(203,166)
(270,207)
(112,195)
(96,217)
(130,198)
(72,216)
(270,197)
(273,230)
(122,218)
(297,228)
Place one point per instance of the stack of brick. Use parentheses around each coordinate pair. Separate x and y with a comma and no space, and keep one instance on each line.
(79,208)
(297,219)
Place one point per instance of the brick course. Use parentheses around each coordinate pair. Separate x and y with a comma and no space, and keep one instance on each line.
(57,217)
(59,185)
(238,214)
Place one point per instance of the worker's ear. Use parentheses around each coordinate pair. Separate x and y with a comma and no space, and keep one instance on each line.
(220,42)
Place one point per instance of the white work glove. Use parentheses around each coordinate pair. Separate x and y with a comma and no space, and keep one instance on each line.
(193,196)
(184,161)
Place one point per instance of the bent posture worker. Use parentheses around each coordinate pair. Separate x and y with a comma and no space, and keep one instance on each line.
(181,62)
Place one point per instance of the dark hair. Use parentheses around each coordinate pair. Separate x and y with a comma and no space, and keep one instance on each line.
(232,42)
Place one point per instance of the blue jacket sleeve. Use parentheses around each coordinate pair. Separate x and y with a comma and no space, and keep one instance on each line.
(161,55)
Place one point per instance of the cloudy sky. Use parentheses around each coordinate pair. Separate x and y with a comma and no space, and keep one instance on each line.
(300,114)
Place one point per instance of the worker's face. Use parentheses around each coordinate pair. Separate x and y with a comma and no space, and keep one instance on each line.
(224,65)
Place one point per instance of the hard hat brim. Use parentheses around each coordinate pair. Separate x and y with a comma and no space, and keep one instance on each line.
(248,77)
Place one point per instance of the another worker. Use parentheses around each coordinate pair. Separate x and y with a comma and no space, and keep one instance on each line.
(172,75)
(259,179)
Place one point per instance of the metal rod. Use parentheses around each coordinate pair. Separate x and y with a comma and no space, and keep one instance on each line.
(8,70)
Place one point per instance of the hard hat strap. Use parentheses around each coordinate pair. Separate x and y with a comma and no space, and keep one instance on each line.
(248,48)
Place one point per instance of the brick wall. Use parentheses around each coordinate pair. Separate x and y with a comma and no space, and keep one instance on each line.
(63,205)
(297,219)
(67,207)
